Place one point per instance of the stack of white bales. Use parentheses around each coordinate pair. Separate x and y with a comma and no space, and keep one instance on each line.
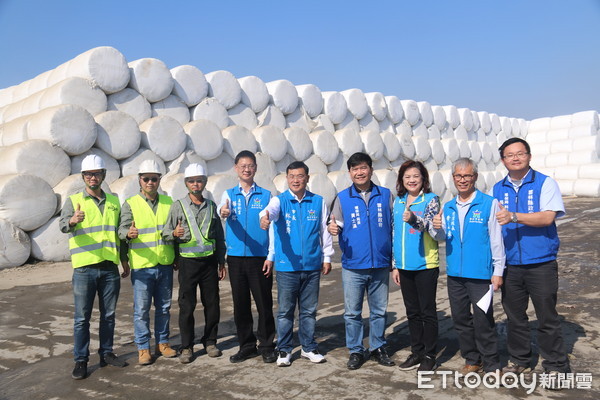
(129,112)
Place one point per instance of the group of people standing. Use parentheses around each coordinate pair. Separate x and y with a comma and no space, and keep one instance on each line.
(506,239)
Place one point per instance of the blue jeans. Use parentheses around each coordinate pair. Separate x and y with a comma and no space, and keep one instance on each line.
(375,281)
(300,287)
(102,278)
(155,283)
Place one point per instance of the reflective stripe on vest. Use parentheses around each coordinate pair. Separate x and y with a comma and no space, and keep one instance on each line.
(193,248)
(148,249)
(95,238)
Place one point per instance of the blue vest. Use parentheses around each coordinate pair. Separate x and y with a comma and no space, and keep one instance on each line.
(470,257)
(366,240)
(244,236)
(526,244)
(413,250)
(297,233)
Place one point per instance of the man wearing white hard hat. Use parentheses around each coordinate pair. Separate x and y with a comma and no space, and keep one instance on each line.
(194,224)
(91,218)
(143,217)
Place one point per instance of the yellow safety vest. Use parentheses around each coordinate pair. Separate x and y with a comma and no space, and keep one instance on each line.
(193,248)
(149,249)
(95,238)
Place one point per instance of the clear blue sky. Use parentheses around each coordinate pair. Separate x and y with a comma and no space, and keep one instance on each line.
(518,58)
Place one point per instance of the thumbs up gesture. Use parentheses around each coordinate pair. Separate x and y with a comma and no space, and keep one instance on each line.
(437,220)
(333,227)
(225,211)
(178,232)
(407,214)
(265,221)
(503,216)
(78,217)
(133,232)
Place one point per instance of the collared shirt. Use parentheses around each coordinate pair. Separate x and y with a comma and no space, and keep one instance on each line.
(550,196)
(336,207)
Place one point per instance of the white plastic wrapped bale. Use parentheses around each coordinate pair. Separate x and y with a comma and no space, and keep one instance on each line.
(299,145)
(172,106)
(283,95)
(485,121)
(439,117)
(15,245)
(431,165)
(254,93)
(464,148)
(68,126)
(407,145)
(35,157)
(556,160)
(386,125)
(322,122)
(151,78)
(460,133)
(49,244)
(452,116)
(113,170)
(217,184)
(340,179)
(447,132)
(582,157)
(475,151)
(496,125)
(334,106)
(567,172)
(438,152)
(271,141)
(131,165)
(348,141)
(316,165)
(586,118)
(433,132)
(14,131)
(271,116)
(451,149)
(179,164)
(382,163)
(426,113)
(282,164)
(77,91)
(587,187)
(349,123)
(340,163)
(266,181)
(174,186)
(481,183)
(567,187)
(280,182)
(438,183)
(299,119)
(466,118)
(536,137)
(130,102)
(411,111)
(310,97)
(189,84)
(422,148)
(223,164)
(391,145)
(164,136)
(506,125)
(377,105)
(321,185)
(515,127)
(589,171)
(403,128)
(486,151)
(369,123)
(238,138)
(70,185)
(448,181)
(324,146)
(242,115)
(118,134)
(419,129)
(204,138)
(265,165)
(577,131)
(387,178)
(539,124)
(20,207)
(372,143)
(210,109)
(125,187)
(223,86)
(395,111)
(356,102)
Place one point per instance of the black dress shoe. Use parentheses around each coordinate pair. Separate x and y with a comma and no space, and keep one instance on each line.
(80,370)
(269,356)
(381,356)
(111,359)
(243,355)
(356,361)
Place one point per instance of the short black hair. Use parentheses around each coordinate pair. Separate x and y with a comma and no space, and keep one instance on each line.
(513,140)
(296,165)
(245,154)
(359,158)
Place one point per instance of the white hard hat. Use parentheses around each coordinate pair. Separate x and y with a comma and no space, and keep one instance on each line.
(92,162)
(149,167)
(194,170)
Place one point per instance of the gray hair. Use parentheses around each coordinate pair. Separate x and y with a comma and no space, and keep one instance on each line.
(464,163)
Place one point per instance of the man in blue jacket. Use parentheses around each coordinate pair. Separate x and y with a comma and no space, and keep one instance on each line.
(362,217)
(474,265)
(303,249)
(530,203)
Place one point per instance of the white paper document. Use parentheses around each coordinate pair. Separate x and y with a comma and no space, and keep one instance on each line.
(486,301)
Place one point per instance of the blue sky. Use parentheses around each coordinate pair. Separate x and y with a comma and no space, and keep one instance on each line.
(517,58)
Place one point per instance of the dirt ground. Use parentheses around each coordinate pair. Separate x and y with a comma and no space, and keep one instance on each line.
(36,340)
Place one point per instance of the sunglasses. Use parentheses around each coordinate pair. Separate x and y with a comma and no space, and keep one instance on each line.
(153,179)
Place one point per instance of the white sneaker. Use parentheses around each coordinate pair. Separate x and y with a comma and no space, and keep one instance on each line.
(284,359)
(314,356)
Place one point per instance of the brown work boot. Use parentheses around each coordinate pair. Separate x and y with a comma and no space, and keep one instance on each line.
(165,350)
(144,357)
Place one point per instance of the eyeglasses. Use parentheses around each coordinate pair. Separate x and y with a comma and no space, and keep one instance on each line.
(199,180)
(468,177)
(294,177)
(153,179)
(87,174)
(520,155)
(249,166)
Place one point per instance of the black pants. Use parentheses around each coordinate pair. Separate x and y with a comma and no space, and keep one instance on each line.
(540,283)
(194,272)
(476,329)
(418,291)
(247,278)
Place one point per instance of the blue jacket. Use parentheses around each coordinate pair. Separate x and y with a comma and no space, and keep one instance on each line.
(297,233)
(366,239)
(244,236)
(470,257)
(526,244)
(413,250)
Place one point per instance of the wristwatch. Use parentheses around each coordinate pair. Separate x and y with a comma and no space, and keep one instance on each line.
(513,218)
